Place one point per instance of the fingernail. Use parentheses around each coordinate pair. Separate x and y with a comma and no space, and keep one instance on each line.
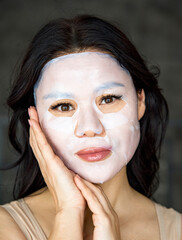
(30,123)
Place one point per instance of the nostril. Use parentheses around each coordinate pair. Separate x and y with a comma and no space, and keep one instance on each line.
(89,133)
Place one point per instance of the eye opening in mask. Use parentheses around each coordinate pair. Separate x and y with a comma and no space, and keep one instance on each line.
(68,108)
(111,97)
(115,103)
(64,105)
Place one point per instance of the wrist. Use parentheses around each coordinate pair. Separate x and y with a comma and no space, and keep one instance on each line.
(72,213)
(69,223)
(69,208)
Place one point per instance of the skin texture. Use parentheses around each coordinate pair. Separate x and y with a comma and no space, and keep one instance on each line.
(87,100)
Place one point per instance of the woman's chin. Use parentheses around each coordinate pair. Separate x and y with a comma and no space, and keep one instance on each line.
(97,179)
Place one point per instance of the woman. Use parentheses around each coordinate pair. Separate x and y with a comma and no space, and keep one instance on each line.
(88,155)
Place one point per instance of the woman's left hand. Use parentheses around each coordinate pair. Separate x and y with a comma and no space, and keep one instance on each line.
(105,219)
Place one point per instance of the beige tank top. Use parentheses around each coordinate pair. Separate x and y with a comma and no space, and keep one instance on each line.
(169,221)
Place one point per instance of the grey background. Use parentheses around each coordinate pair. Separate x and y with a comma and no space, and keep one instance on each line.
(154,26)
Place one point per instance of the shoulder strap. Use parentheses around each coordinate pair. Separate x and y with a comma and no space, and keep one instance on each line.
(24,218)
(161,222)
(169,223)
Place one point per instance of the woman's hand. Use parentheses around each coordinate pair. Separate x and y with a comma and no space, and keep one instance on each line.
(104,218)
(57,176)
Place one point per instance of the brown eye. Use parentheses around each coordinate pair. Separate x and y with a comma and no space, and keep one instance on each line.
(108,100)
(62,107)
(110,103)
(65,107)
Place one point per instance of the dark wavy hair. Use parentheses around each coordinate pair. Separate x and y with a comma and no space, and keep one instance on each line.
(81,33)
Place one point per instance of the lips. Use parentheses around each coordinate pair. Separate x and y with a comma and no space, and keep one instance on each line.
(94,154)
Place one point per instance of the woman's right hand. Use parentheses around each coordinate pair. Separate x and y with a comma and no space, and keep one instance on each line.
(59,179)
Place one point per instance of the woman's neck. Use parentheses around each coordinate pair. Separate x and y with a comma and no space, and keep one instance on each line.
(120,194)
(123,198)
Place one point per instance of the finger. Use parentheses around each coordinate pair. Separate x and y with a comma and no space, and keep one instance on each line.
(34,125)
(32,139)
(45,167)
(42,163)
(42,143)
(91,198)
(33,113)
(35,148)
(98,191)
(38,156)
(49,162)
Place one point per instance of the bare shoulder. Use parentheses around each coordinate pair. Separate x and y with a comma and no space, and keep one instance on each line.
(143,222)
(9,230)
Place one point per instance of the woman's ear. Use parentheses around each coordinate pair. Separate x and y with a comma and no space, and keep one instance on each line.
(141,103)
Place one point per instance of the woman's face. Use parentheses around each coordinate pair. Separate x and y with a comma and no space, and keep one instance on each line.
(87,107)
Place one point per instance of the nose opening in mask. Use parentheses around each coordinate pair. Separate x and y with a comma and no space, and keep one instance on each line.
(89,125)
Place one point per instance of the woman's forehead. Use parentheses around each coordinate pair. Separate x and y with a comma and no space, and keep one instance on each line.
(78,72)
(87,65)
(87,56)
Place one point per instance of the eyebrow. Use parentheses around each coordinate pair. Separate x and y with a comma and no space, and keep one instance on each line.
(109,85)
(57,94)
(63,95)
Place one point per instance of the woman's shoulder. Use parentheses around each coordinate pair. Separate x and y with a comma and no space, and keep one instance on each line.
(20,217)
(9,229)
(168,214)
(166,210)
(170,222)
(156,218)
(25,215)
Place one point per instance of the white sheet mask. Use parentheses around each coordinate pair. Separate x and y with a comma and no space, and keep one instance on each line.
(83,79)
